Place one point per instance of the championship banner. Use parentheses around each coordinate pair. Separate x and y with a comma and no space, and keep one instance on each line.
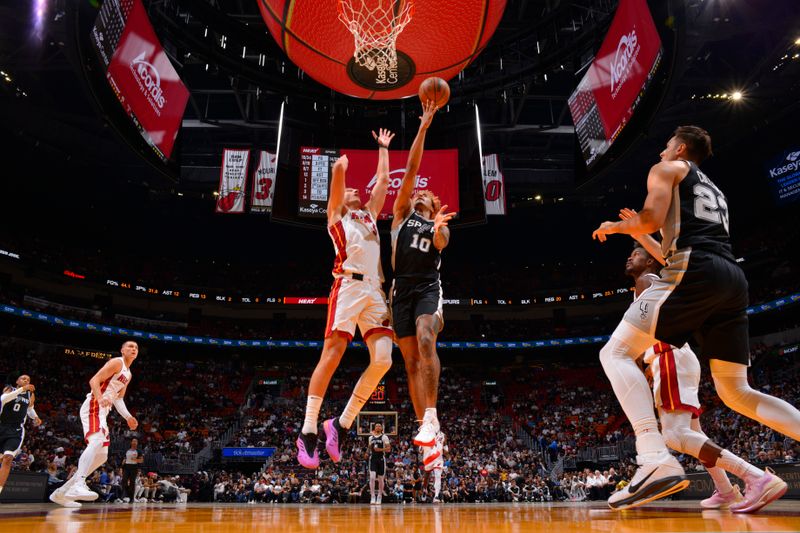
(494,188)
(264,183)
(232,181)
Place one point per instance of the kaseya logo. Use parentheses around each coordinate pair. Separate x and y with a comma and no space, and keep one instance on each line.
(149,81)
(791,164)
(624,58)
(396,179)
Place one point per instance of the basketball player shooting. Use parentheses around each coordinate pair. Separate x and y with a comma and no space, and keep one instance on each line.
(108,387)
(356,299)
(702,292)
(16,405)
(419,234)
(676,381)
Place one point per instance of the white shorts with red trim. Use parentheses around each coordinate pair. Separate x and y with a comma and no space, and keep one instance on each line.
(676,377)
(93,419)
(357,303)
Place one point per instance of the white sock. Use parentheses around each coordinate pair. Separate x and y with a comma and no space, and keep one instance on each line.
(313,405)
(739,467)
(720,479)
(430,413)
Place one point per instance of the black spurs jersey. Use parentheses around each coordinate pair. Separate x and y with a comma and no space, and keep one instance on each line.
(697,217)
(15,412)
(414,257)
(379,441)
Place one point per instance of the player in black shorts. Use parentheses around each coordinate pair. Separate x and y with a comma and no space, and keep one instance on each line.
(378,447)
(419,234)
(701,294)
(16,405)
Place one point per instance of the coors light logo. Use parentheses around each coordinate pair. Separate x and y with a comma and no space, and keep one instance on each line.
(149,81)
(627,50)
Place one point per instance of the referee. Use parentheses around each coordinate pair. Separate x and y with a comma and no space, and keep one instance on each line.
(130,469)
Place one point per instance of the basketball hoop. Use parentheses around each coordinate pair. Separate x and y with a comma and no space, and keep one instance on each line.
(375,29)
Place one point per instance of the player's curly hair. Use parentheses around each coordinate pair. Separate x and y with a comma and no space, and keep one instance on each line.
(435,201)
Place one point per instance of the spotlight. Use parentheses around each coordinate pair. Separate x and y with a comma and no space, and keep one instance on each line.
(797,41)
(737,95)
(537,197)
(215,193)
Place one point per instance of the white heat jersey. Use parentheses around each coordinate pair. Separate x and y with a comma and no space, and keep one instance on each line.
(114,385)
(652,278)
(357,244)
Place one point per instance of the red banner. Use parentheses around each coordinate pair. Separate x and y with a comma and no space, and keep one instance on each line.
(623,63)
(438,172)
(146,83)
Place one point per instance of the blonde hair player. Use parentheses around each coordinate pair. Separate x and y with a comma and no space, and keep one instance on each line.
(16,405)
(356,299)
(419,234)
(108,387)
(701,293)
(676,381)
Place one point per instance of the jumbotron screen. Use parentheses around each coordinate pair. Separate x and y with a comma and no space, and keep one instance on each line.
(140,73)
(438,172)
(617,79)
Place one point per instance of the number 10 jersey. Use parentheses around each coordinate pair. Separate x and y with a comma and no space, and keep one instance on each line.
(414,257)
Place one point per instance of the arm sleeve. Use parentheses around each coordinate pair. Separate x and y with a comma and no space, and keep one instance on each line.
(32,413)
(5,398)
(119,405)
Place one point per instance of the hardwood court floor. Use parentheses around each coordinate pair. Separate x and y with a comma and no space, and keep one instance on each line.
(240,518)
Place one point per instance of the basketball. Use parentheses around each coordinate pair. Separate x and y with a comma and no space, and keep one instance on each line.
(441,38)
(436,90)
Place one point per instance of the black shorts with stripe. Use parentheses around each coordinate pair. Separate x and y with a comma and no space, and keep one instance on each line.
(377,465)
(412,299)
(701,297)
(10,438)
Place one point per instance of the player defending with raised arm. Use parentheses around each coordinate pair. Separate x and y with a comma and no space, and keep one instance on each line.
(419,234)
(356,299)
(108,387)
(702,292)
(16,405)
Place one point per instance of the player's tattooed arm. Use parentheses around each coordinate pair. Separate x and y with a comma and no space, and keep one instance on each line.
(108,370)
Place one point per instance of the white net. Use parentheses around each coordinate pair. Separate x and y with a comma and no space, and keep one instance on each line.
(375,26)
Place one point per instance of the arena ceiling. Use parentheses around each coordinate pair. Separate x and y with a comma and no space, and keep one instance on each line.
(521,83)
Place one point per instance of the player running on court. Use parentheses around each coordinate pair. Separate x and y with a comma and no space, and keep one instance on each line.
(356,299)
(702,292)
(419,234)
(108,387)
(676,382)
(16,405)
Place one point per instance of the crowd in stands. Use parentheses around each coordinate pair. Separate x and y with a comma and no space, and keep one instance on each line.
(515,433)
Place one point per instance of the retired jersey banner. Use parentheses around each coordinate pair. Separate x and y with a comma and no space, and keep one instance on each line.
(263,183)
(494,187)
(232,181)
